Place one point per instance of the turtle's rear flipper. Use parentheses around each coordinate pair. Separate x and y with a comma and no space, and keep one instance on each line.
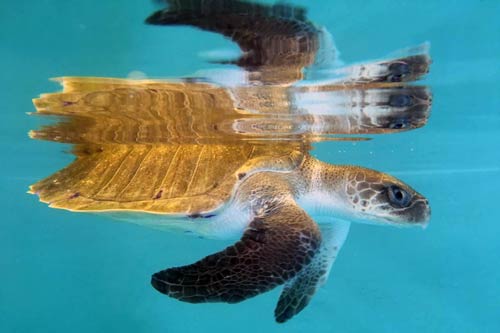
(273,249)
(299,291)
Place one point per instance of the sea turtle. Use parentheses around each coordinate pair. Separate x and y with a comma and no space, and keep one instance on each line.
(268,193)
(265,191)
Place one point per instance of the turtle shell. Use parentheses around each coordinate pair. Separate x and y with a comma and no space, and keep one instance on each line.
(164,179)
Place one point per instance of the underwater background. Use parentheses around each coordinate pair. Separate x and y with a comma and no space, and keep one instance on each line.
(62,272)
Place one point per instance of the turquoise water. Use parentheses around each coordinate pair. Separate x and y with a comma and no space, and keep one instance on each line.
(65,272)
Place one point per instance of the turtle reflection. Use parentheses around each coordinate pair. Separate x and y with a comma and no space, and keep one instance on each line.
(126,111)
(233,161)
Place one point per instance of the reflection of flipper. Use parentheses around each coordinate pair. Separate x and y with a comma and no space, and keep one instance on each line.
(298,292)
(273,249)
(271,37)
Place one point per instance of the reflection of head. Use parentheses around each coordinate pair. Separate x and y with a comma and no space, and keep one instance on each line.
(409,109)
(396,109)
(391,71)
(407,69)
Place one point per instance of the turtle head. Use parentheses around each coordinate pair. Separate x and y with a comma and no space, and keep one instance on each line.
(406,69)
(378,198)
(410,109)
(400,109)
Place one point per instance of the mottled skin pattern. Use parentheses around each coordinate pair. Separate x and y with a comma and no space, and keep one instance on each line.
(367,191)
(297,294)
(279,241)
(363,191)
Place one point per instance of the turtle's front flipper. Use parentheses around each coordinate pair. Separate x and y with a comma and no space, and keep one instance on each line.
(298,292)
(274,248)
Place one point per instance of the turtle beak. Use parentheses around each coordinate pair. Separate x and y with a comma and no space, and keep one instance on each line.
(427,217)
(420,212)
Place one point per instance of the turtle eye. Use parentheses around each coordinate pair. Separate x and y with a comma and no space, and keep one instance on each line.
(398,197)
(399,123)
(398,71)
(395,78)
(400,101)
